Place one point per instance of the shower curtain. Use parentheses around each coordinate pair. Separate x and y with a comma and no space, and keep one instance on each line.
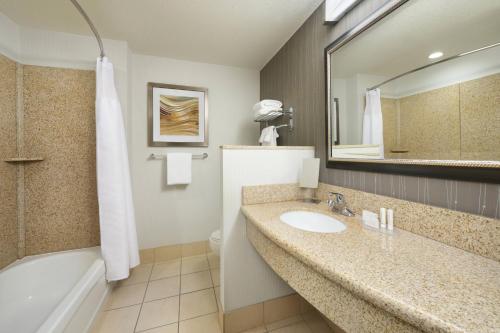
(373,126)
(116,211)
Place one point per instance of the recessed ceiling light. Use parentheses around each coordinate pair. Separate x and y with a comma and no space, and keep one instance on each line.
(435,55)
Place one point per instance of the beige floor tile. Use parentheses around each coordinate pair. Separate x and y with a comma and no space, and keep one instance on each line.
(244,318)
(194,264)
(204,324)
(197,304)
(147,256)
(163,288)
(213,260)
(216,276)
(316,323)
(138,274)
(193,249)
(281,308)
(196,281)
(284,322)
(117,321)
(166,269)
(166,253)
(126,296)
(172,328)
(158,313)
(295,328)
(260,329)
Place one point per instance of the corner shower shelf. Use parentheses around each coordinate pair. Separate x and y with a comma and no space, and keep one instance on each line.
(23,159)
(399,150)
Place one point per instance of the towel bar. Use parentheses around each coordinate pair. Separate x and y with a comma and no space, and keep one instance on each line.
(163,156)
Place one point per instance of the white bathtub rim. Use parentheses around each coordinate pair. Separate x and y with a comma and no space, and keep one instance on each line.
(27,259)
(65,310)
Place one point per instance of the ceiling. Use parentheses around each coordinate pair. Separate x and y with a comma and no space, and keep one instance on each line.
(229,32)
(403,40)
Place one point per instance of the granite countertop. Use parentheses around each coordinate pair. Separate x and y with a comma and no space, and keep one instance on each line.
(433,286)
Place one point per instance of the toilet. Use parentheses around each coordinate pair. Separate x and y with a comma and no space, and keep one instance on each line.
(214,241)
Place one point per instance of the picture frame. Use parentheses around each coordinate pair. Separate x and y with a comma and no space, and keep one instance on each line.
(177,115)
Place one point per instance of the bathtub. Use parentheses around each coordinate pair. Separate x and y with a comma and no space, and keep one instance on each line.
(57,292)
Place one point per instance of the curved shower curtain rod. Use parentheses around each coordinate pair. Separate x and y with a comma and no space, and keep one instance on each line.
(92,27)
(434,63)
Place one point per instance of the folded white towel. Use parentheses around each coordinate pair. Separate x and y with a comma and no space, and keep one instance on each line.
(265,111)
(179,168)
(268,136)
(267,104)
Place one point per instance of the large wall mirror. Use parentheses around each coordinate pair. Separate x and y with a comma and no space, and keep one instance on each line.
(415,89)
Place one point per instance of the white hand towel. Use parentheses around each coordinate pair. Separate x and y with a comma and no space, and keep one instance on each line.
(268,136)
(179,168)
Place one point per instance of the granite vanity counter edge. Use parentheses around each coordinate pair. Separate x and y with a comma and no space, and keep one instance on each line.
(399,309)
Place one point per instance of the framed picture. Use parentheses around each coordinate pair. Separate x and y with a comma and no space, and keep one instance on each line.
(177,115)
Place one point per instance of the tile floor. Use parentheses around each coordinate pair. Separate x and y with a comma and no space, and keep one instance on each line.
(180,296)
(176,296)
(306,323)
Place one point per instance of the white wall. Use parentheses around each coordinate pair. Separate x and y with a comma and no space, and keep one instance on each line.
(352,93)
(10,43)
(245,277)
(56,49)
(177,214)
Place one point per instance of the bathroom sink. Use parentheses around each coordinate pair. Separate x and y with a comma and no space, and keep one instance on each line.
(311,221)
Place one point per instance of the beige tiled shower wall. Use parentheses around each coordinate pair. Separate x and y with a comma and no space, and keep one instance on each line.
(8,172)
(61,211)
(390,119)
(457,122)
(48,205)
(480,118)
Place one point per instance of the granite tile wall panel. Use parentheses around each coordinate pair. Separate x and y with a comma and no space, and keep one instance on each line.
(61,210)
(480,118)
(390,117)
(8,172)
(299,67)
(430,124)
(469,232)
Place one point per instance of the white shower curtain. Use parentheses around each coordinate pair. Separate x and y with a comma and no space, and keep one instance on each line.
(116,211)
(373,125)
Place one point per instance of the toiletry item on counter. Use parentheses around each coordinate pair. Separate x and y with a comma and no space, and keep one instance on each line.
(370,219)
(390,219)
(309,178)
(268,136)
(383,218)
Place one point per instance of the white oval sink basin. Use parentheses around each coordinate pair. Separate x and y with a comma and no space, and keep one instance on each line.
(311,221)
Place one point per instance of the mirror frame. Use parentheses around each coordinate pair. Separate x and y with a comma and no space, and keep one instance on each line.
(458,170)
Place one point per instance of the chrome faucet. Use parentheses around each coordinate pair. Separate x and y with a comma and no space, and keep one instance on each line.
(336,202)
